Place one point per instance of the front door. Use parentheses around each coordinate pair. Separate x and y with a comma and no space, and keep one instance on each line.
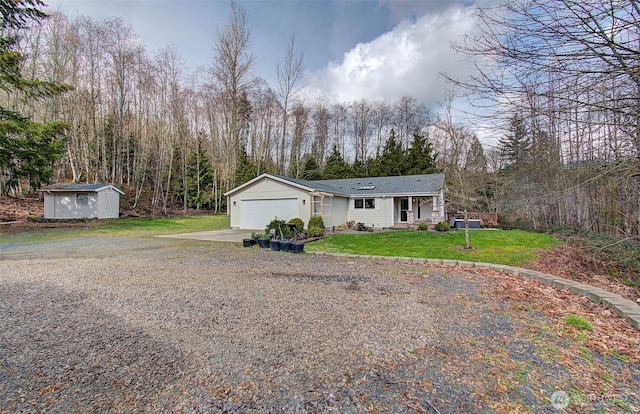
(404,208)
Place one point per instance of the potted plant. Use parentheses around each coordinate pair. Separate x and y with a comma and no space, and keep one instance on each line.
(275,245)
(248,242)
(285,245)
(263,241)
(297,247)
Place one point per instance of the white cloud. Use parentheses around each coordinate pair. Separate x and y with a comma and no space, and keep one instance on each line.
(408,60)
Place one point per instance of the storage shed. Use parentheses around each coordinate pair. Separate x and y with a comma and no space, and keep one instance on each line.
(74,201)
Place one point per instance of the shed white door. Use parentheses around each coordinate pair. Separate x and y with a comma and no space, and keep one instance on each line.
(256,214)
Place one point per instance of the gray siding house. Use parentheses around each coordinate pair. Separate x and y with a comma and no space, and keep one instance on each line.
(376,201)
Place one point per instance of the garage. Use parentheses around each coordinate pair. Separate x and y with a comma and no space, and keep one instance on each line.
(256,214)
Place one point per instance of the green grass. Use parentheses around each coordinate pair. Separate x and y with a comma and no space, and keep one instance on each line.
(514,247)
(163,225)
(125,227)
(578,322)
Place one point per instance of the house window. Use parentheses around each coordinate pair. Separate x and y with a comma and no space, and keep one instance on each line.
(82,199)
(368,203)
(317,206)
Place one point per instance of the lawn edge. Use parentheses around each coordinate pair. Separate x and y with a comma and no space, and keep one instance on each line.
(626,309)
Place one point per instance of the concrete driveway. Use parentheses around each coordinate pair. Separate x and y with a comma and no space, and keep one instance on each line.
(224,235)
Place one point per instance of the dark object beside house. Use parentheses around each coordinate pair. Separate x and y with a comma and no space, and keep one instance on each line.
(459,223)
(264,243)
(297,247)
(285,245)
(248,242)
(275,245)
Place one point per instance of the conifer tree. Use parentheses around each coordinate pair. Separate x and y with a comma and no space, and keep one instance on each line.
(392,159)
(420,158)
(516,147)
(335,166)
(28,149)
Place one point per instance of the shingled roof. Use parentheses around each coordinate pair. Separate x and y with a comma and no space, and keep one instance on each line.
(376,186)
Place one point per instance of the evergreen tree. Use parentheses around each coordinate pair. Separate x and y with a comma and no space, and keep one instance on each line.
(311,170)
(246,169)
(200,175)
(28,149)
(420,158)
(516,147)
(392,160)
(335,166)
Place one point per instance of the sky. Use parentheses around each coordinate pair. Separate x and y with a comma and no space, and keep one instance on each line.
(353,49)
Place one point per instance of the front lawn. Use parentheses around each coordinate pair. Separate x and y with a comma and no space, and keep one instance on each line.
(144,226)
(123,227)
(513,247)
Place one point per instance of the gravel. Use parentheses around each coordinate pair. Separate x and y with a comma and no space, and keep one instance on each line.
(126,325)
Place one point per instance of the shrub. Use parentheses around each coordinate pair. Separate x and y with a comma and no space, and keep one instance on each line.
(298,223)
(361,227)
(315,231)
(423,226)
(281,228)
(443,226)
(316,221)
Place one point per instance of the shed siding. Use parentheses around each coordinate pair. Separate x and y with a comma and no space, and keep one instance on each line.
(49,206)
(108,204)
(82,204)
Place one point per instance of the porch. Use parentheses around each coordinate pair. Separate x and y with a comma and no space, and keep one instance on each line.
(409,211)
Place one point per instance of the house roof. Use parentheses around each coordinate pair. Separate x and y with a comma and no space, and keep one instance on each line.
(399,185)
(372,186)
(64,187)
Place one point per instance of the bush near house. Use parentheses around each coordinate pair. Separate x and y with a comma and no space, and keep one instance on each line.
(316,221)
(443,226)
(298,223)
(315,231)
(281,228)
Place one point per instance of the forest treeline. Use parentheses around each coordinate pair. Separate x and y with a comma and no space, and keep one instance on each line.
(564,98)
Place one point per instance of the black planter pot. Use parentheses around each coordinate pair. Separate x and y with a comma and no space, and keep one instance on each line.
(248,242)
(264,243)
(297,247)
(285,245)
(275,245)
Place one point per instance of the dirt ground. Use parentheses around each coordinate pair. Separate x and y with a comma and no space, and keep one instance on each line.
(126,325)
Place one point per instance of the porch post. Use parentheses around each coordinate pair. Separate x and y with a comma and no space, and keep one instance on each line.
(410,217)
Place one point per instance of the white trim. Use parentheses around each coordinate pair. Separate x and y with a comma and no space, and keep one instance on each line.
(267,176)
(77,190)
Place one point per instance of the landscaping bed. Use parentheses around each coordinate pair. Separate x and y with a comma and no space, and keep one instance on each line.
(170,325)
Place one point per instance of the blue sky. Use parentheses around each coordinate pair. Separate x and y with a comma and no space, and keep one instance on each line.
(353,49)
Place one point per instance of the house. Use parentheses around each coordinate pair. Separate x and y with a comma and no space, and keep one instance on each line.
(73,201)
(376,202)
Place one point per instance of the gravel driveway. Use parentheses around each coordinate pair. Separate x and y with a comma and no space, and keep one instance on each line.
(127,325)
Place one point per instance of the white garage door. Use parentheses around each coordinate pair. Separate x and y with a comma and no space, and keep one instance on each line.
(256,214)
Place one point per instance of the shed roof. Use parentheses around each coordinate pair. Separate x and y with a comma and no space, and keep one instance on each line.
(73,187)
